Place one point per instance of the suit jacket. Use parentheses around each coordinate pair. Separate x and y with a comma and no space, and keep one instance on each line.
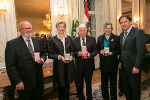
(134,49)
(20,64)
(56,48)
(147,38)
(91,48)
(109,63)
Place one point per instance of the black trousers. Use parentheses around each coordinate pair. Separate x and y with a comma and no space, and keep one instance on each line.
(36,94)
(85,73)
(132,85)
(120,86)
(112,77)
(63,92)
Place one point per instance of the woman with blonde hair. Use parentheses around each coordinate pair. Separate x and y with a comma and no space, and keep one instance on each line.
(60,50)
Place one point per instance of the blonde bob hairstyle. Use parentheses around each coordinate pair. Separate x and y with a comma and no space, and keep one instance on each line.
(61,22)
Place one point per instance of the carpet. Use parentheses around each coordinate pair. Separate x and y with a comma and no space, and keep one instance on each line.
(97,94)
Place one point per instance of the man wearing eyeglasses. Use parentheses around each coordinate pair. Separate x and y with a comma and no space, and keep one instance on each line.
(85,50)
(24,58)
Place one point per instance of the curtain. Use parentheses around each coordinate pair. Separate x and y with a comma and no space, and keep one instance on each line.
(112,11)
(107,11)
(142,13)
(68,6)
(8,29)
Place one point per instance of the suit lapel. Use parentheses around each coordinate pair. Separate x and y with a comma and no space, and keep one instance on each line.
(102,43)
(78,43)
(111,40)
(24,46)
(67,43)
(87,39)
(59,43)
(35,45)
(129,35)
(121,38)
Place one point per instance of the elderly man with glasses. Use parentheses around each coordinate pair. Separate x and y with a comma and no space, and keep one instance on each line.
(24,58)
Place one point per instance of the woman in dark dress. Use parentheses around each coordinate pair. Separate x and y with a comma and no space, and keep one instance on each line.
(108,48)
(63,68)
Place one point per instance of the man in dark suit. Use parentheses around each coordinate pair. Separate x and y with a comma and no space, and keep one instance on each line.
(132,43)
(84,61)
(23,68)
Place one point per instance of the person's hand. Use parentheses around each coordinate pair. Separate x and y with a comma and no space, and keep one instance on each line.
(88,54)
(79,53)
(110,53)
(68,61)
(63,59)
(40,61)
(119,65)
(102,51)
(70,58)
(135,70)
(20,86)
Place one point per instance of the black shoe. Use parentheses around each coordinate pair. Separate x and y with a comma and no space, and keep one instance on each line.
(120,94)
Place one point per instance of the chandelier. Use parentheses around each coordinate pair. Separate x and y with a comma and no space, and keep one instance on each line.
(61,10)
(61,13)
(47,22)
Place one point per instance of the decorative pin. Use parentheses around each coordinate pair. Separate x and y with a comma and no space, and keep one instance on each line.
(112,39)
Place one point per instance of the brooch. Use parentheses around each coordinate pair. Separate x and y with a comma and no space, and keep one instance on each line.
(112,39)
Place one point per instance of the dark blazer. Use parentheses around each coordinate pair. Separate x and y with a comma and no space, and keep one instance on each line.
(134,49)
(20,64)
(56,48)
(91,48)
(109,63)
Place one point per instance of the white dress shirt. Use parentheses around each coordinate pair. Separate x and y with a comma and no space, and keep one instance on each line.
(81,41)
(25,40)
(63,41)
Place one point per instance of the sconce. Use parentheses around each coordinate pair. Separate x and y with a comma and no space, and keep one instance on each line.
(2,11)
(137,20)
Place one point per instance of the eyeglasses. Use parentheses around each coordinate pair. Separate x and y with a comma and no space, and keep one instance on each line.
(26,28)
(108,28)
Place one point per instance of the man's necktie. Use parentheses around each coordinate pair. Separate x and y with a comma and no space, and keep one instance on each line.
(30,48)
(83,42)
(124,37)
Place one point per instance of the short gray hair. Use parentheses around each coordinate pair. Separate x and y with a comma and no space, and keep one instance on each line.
(22,22)
(82,26)
(108,23)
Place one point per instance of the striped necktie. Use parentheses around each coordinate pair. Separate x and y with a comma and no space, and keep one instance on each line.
(30,47)
(83,42)
(124,37)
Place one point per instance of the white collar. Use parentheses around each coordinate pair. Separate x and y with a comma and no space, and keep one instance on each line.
(59,37)
(128,30)
(84,38)
(25,39)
